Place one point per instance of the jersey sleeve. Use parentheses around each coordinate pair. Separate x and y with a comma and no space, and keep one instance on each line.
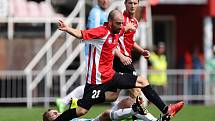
(94,33)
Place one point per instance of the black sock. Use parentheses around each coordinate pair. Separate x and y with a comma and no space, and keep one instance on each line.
(153,97)
(67,115)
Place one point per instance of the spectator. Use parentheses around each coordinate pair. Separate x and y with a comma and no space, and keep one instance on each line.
(196,79)
(188,60)
(210,67)
(158,64)
(194,61)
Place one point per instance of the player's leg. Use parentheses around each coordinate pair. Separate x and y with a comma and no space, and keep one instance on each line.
(153,97)
(128,108)
(76,93)
(111,96)
(71,114)
(93,94)
(126,113)
(61,103)
(134,92)
(105,116)
(125,81)
(125,109)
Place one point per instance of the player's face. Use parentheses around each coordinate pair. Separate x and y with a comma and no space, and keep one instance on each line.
(53,114)
(104,4)
(131,6)
(117,23)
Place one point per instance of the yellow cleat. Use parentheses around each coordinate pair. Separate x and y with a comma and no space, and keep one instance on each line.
(73,103)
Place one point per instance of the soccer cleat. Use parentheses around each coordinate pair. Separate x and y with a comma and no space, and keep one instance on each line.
(138,106)
(165,117)
(60,105)
(73,103)
(174,108)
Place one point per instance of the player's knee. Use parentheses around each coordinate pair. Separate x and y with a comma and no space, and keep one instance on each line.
(105,116)
(142,81)
(125,103)
(133,93)
(81,111)
(111,96)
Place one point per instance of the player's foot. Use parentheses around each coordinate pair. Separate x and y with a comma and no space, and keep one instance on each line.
(174,108)
(73,103)
(138,106)
(60,105)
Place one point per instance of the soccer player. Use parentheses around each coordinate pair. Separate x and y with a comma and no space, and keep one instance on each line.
(123,63)
(101,77)
(122,60)
(125,109)
(96,18)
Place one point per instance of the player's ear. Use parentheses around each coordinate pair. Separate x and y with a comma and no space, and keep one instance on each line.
(110,23)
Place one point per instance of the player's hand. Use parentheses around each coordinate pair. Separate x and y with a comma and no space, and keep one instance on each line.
(62,26)
(126,60)
(146,54)
(130,26)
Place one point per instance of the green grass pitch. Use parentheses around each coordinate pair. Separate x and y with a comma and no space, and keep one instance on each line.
(188,113)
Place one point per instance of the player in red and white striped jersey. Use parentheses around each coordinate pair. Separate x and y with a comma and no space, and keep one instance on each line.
(123,63)
(101,78)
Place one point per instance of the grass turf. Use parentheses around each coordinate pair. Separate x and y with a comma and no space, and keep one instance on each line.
(188,113)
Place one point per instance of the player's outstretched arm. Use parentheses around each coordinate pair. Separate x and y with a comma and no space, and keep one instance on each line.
(74,32)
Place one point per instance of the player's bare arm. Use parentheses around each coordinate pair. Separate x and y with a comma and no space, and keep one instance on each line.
(64,27)
(143,52)
(124,59)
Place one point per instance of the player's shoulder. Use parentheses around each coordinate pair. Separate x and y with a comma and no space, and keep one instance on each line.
(95,10)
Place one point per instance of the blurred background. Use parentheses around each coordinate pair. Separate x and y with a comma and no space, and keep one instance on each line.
(39,63)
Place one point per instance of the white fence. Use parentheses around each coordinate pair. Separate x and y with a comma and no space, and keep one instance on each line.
(188,85)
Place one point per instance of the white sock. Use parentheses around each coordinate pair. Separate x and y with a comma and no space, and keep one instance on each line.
(115,106)
(76,93)
(121,113)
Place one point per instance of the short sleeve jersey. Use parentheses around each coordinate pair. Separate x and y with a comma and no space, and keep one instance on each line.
(126,42)
(100,58)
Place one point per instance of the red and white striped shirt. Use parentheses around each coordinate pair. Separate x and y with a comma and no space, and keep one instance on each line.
(126,42)
(100,59)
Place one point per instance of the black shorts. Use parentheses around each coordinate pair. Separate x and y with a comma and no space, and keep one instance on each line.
(118,66)
(94,94)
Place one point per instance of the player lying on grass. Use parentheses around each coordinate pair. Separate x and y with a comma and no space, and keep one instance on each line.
(62,103)
(126,109)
